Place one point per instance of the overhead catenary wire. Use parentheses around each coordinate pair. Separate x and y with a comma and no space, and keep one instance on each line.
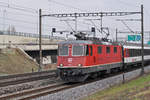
(128,4)
(68,6)
(20,8)
(16,20)
(23,26)
(31,9)
(95,26)
(147,13)
(28,22)
(20,14)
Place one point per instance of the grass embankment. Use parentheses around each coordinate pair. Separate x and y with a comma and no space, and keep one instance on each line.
(138,89)
(14,61)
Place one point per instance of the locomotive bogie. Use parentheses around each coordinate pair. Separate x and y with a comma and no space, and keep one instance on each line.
(72,74)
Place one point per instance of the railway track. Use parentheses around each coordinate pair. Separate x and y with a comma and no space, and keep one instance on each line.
(46,90)
(50,89)
(24,78)
(37,92)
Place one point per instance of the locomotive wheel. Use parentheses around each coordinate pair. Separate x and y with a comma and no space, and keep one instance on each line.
(77,78)
(94,75)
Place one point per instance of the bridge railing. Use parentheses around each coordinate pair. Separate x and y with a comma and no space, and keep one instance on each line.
(30,35)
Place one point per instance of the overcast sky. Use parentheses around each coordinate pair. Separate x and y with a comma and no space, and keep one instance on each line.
(23,14)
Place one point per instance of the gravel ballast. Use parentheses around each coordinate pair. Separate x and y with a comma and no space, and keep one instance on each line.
(85,90)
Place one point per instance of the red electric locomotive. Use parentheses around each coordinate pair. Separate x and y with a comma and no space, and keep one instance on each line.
(79,59)
(89,57)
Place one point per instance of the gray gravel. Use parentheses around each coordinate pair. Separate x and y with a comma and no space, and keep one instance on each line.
(24,86)
(85,90)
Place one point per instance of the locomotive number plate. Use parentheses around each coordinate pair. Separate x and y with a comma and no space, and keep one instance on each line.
(69,60)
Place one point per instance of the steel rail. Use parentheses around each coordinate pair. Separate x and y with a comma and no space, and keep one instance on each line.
(34,92)
(24,78)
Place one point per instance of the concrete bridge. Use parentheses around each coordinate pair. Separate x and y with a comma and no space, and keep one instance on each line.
(30,44)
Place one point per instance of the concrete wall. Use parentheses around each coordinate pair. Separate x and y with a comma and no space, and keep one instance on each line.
(36,47)
(30,47)
(49,56)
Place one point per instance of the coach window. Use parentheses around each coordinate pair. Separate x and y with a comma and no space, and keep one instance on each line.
(115,49)
(130,53)
(127,52)
(107,49)
(99,50)
(91,50)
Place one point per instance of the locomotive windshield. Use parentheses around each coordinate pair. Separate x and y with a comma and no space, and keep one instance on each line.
(77,50)
(63,50)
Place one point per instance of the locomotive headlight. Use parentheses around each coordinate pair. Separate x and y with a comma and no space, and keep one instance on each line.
(79,65)
(61,65)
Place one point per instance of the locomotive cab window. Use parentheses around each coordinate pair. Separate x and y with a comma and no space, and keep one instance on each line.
(91,50)
(107,49)
(87,50)
(99,50)
(63,50)
(115,49)
(78,50)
